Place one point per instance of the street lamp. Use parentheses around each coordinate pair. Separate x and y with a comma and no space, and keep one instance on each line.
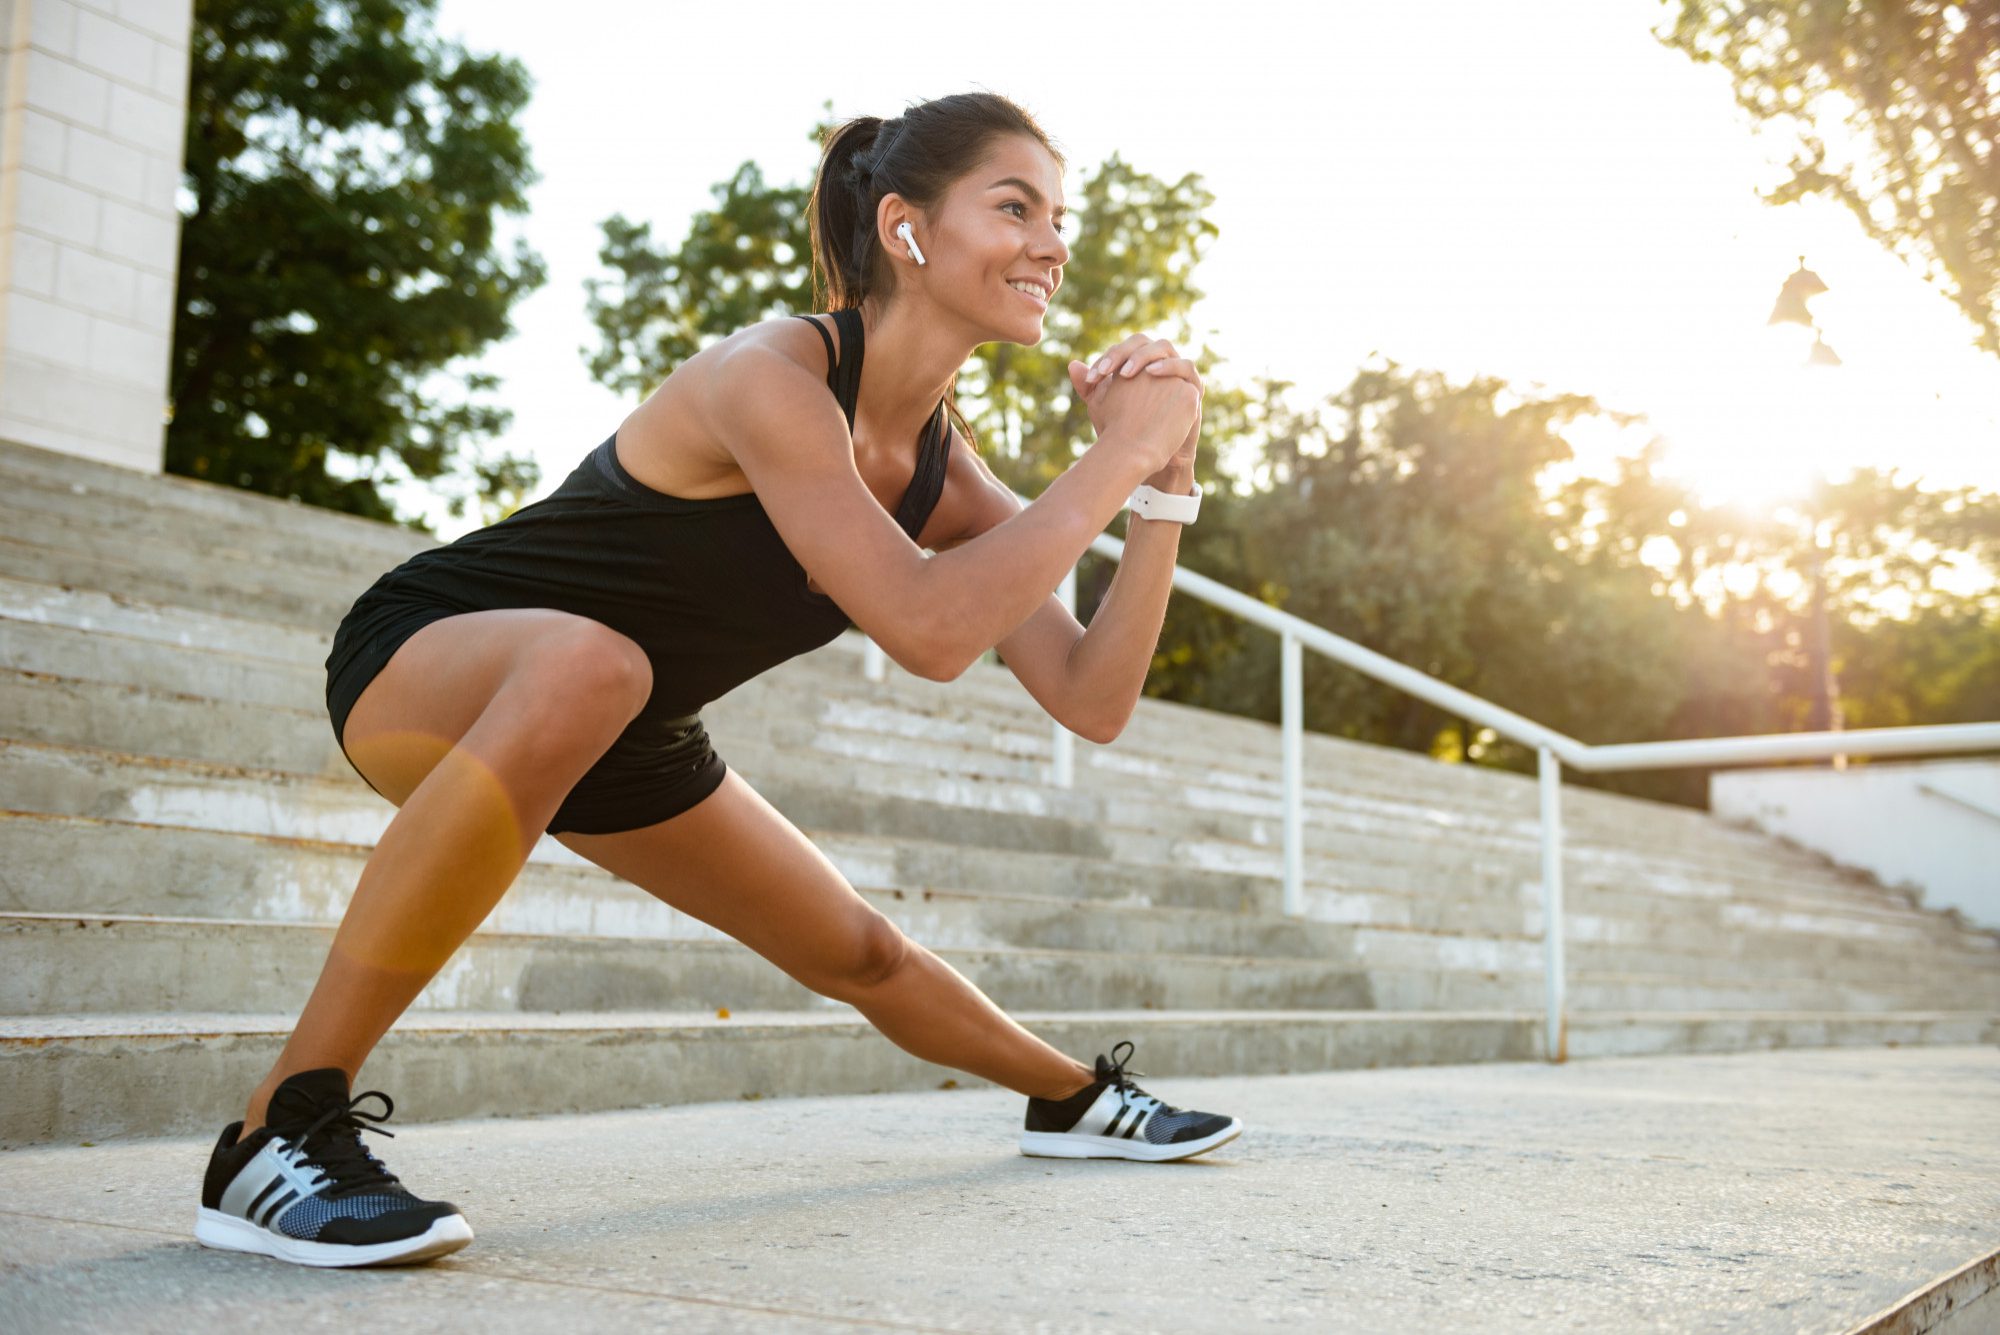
(1790,308)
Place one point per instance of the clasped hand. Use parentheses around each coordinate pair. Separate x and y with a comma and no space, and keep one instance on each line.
(1098,384)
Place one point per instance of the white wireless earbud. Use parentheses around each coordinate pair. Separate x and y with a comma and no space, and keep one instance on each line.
(903,230)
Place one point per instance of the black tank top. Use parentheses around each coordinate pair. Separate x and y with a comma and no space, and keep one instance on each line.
(706,587)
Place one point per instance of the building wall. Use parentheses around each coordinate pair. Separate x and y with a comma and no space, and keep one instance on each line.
(95,104)
(1934,825)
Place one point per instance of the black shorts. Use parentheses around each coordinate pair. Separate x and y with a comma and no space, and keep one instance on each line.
(657,768)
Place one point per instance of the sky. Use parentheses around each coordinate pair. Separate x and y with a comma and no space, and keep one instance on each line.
(1541,193)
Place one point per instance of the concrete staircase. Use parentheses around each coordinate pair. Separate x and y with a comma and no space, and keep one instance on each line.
(179,834)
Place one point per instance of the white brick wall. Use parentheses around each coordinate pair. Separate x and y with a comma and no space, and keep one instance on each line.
(94,99)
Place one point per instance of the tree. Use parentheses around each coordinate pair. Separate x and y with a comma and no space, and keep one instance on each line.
(745,260)
(1910,587)
(1917,82)
(344,168)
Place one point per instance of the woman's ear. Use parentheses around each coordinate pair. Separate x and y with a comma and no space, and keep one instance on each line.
(892,213)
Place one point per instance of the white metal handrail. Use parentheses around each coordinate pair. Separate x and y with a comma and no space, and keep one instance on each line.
(1553,749)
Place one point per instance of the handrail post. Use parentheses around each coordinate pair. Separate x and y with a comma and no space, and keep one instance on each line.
(1556,1046)
(1062,747)
(1292,720)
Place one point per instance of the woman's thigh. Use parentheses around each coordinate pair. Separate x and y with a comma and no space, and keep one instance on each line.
(564,680)
(735,862)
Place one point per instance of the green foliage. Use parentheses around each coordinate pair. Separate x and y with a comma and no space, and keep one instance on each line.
(1941,665)
(747,259)
(343,173)
(1917,82)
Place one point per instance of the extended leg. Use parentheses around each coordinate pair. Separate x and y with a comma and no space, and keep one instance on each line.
(735,862)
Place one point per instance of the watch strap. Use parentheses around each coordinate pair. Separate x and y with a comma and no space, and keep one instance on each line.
(1152,503)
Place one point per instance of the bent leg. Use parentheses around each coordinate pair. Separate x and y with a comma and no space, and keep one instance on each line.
(736,863)
(477,728)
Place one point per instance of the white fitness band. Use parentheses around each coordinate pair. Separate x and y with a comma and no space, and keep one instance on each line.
(1151,503)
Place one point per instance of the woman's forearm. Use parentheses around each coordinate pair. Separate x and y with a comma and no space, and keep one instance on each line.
(974,594)
(1107,667)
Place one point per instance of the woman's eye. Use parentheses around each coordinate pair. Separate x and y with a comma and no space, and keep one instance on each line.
(1062,225)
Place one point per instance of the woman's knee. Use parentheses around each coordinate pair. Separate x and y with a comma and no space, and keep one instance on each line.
(870,956)
(587,681)
(596,664)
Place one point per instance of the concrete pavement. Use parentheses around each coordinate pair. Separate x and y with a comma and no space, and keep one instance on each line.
(1787,1191)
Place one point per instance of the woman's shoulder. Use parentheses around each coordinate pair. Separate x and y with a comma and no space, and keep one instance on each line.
(793,337)
(667,442)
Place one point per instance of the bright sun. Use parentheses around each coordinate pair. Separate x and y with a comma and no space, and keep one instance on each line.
(1769,425)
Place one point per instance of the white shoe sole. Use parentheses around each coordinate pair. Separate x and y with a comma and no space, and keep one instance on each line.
(1068,1145)
(213,1228)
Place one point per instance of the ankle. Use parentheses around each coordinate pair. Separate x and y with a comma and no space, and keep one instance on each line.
(1082,1078)
(257,1109)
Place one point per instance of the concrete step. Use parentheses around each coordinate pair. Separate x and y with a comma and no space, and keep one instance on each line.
(41,646)
(954,744)
(294,648)
(125,489)
(88,1077)
(86,515)
(1244,753)
(194,564)
(65,866)
(83,711)
(142,789)
(112,663)
(182,580)
(948,897)
(53,965)
(782,700)
(1025,732)
(58,964)
(77,866)
(181,794)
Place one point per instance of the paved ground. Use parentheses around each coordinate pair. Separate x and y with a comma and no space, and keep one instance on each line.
(1793,1191)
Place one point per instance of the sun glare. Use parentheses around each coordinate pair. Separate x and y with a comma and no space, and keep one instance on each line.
(1769,426)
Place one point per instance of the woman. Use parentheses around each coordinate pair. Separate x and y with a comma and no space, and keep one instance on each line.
(544,673)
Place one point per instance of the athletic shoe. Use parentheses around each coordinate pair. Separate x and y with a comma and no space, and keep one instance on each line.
(1112,1118)
(303,1188)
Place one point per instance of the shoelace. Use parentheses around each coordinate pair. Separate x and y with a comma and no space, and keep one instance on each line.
(1121,1077)
(340,1154)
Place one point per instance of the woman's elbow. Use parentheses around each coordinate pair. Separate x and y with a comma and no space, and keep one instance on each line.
(1101,731)
(932,658)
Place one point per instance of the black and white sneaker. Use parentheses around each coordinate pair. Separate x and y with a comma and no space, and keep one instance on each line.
(1112,1118)
(303,1188)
